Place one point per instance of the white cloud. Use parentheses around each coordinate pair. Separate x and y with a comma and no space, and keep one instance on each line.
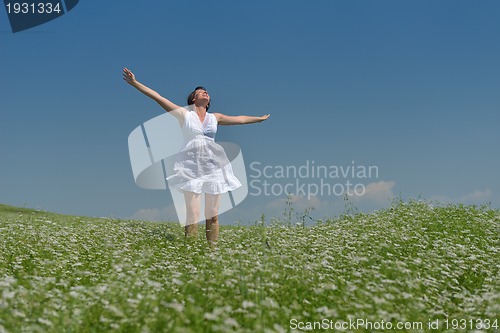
(376,196)
(251,211)
(156,214)
(148,214)
(441,199)
(477,197)
(299,202)
(377,193)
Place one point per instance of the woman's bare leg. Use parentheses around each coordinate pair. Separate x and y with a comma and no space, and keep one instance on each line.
(193,206)
(212,203)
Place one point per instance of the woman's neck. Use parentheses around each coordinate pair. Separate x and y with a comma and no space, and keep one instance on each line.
(201,110)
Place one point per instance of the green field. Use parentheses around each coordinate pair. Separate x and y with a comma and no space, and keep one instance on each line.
(411,265)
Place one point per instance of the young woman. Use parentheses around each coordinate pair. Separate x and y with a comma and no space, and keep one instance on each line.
(202,166)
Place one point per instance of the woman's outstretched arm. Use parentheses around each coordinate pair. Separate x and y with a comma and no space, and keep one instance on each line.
(223,119)
(129,77)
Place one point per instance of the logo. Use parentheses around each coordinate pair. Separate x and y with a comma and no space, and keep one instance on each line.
(25,14)
(155,146)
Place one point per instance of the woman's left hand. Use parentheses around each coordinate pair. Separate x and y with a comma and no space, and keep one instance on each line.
(264,117)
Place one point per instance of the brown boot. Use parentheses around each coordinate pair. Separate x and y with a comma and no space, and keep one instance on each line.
(191,230)
(212,230)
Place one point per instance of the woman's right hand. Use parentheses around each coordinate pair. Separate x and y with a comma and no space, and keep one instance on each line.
(128,76)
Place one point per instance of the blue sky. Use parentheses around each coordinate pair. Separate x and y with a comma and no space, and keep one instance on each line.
(410,87)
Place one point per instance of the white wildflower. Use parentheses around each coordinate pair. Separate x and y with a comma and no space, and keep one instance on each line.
(45,322)
(247,304)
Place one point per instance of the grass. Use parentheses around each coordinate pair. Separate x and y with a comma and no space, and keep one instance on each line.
(412,263)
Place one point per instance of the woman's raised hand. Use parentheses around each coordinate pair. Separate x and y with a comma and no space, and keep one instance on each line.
(264,117)
(128,76)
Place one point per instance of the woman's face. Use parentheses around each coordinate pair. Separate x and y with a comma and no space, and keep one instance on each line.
(201,94)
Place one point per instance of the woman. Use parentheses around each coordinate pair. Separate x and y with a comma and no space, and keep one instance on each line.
(202,166)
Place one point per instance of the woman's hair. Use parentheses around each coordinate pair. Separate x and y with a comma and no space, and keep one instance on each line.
(191,96)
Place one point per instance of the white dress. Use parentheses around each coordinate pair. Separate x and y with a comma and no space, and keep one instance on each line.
(202,165)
